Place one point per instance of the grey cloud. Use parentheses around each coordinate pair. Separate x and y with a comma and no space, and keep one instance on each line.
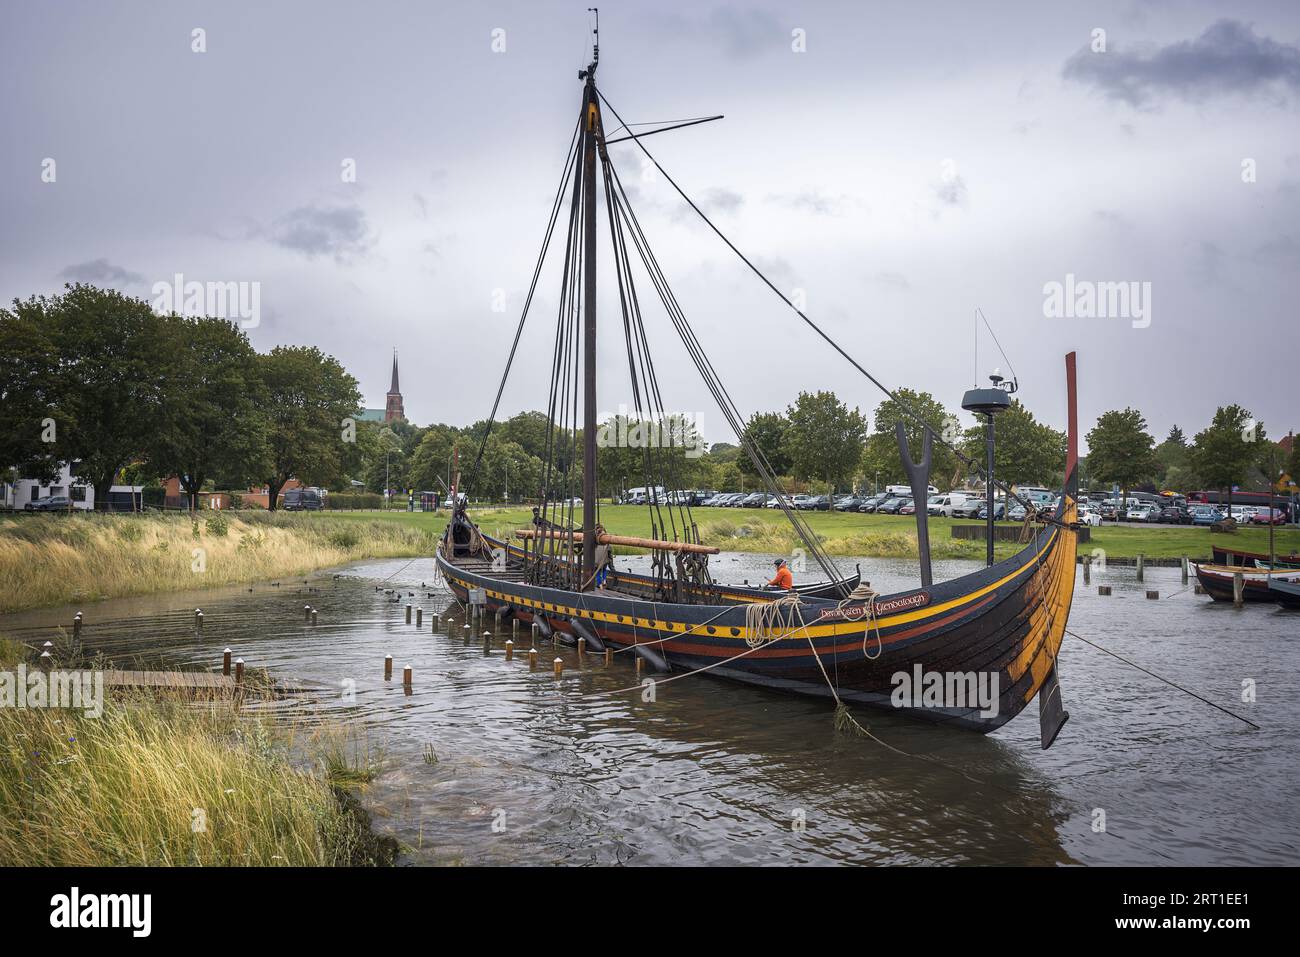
(716,199)
(951,191)
(1207,263)
(746,32)
(895,280)
(1283,252)
(1228,58)
(100,271)
(811,201)
(339,231)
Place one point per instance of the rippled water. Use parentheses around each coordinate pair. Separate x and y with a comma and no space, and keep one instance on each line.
(531,769)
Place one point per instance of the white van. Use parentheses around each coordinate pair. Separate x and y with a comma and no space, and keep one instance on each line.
(946,503)
(907,490)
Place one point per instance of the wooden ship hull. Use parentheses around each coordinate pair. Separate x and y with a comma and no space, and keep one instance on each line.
(1232,556)
(1217,581)
(1285,593)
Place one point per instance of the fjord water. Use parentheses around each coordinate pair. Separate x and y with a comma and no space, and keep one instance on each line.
(534,770)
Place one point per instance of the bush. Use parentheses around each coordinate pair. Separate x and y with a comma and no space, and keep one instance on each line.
(353,500)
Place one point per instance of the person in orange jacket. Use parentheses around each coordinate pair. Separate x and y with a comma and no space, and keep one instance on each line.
(783,577)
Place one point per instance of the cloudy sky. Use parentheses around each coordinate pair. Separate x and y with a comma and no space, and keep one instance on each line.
(913,162)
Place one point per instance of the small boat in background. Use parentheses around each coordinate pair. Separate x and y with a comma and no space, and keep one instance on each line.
(1285,592)
(1231,556)
(1217,581)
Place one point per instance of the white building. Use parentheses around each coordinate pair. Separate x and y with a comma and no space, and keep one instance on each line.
(18,493)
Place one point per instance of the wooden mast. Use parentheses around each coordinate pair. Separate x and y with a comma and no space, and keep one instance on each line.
(590,136)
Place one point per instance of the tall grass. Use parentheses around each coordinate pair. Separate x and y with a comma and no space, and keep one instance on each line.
(58,559)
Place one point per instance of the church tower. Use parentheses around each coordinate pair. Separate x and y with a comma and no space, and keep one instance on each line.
(394,409)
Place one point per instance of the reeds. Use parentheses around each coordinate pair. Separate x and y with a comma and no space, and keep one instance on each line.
(59,559)
(170,783)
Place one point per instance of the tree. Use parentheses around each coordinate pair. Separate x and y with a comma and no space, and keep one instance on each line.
(1025,450)
(882,454)
(1224,453)
(1120,450)
(214,425)
(431,461)
(106,394)
(825,438)
(766,432)
(308,396)
(29,393)
(1172,457)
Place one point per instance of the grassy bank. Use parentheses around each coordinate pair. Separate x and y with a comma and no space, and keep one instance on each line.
(158,783)
(59,559)
(871,536)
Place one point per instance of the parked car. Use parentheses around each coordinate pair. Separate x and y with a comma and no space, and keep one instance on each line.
(1089,516)
(52,503)
(1175,515)
(873,502)
(1206,515)
(1017,513)
(999,511)
(1143,513)
(1268,516)
(801,501)
(754,500)
(772,501)
(890,506)
(848,503)
(907,508)
(821,503)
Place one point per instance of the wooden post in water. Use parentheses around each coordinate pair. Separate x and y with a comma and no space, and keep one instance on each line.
(435,623)
(1185,563)
(313,616)
(47,661)
(1087,569)
(1238,589)
(225,662)
(1141,564)
(640,663)
(198,618)
(510,650)
(239,671)
(406,677)
(582,649)
(1103,590)
(559,667)
(609,655)
(1152,595)
(451,625)
(532,659)
(306,612)
(419,618)
(466,631)
(534,634)
(388,667)
(76,625)
(408,612)
(514,627)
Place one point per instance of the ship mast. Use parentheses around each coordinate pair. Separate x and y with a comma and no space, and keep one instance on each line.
(591,140)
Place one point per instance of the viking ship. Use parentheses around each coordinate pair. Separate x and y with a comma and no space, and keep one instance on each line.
(919,651)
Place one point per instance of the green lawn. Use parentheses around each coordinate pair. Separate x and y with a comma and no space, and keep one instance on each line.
(765,530)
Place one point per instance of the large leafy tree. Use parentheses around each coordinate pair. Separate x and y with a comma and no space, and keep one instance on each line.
(766,431)
(1172,459)
(825,438)
(308,397)
(882,457)
(29,392)
(1025,451)
(106,394)
(1121,451)
(214,426)
(1224,453)
(432,459)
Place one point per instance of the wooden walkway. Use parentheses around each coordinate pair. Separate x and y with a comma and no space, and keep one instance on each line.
(192,683)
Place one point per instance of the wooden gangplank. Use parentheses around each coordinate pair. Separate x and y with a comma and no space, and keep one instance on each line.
(189,683)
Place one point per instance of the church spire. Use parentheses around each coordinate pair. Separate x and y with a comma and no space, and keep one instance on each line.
(394,408)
